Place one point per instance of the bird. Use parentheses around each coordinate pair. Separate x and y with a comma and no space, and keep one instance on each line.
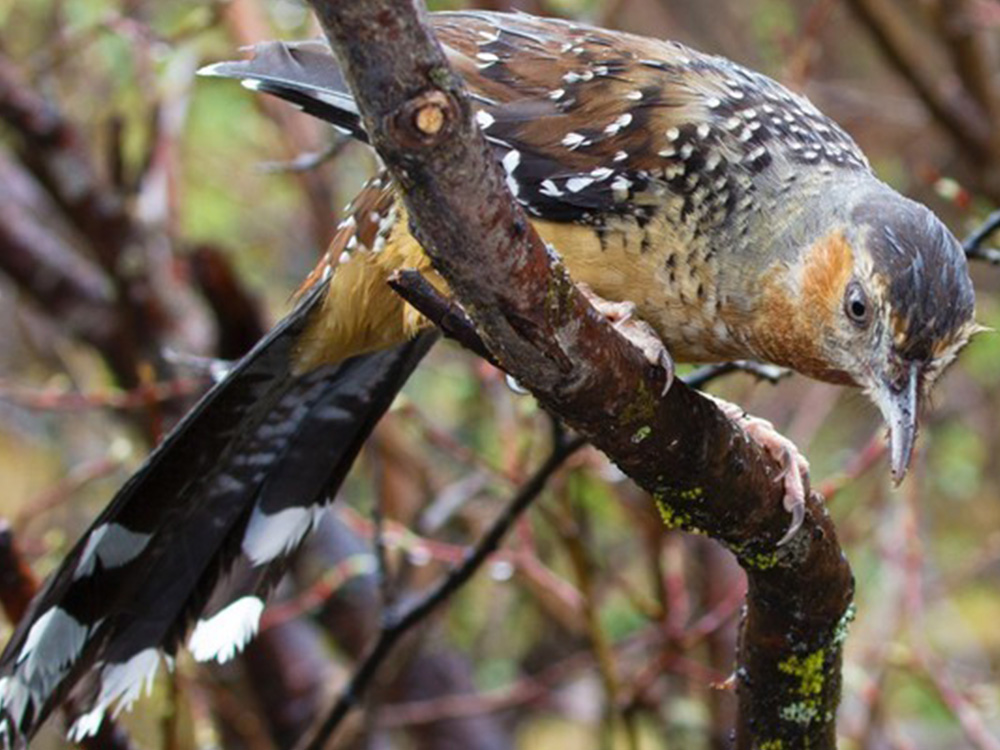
(701,200)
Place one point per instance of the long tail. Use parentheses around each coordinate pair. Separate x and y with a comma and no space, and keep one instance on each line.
(200,533)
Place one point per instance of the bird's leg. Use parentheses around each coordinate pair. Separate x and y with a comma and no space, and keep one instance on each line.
(622,316)
(795,467)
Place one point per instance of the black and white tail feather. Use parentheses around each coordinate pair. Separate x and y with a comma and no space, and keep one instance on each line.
(302,73)
(199,534)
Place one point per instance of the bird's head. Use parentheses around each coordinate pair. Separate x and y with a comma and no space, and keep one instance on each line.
(884,302)
(911,302)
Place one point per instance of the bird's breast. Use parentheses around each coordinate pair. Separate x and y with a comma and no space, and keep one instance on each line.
(672,274)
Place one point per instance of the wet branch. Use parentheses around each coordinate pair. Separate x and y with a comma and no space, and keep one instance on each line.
(447,315)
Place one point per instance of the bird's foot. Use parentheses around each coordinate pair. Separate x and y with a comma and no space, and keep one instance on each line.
(622,316)
(795,467)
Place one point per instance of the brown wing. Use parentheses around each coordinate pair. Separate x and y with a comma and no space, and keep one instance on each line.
(590,123)
(593,122)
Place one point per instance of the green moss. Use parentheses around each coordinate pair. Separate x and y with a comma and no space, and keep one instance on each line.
(560,290)
(672,518)
(809,670)
(691,495)
(641,434)
(441,77)
(760,560)
(772,745)
(844,626)
(812,679)
(642,408)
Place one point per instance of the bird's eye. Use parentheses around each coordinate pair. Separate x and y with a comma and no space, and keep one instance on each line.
(856,304)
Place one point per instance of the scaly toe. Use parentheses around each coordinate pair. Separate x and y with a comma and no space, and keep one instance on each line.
(793,476)
(794,468)
(622,316)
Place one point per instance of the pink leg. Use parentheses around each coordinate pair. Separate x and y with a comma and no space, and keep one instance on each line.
(796,467)
(622,316)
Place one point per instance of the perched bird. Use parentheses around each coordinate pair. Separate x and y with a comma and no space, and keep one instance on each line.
(733,217)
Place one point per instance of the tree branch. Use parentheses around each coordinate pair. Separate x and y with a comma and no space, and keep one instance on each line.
(54,151)
(973,244)
(702,471)
(456,325)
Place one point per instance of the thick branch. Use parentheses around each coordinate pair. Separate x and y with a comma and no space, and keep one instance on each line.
(703,472)
(54,149)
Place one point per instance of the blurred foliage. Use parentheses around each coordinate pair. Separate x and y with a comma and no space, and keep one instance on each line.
(590,579)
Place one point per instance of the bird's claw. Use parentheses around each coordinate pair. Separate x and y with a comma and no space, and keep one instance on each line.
(798,511)
(622,316)
(795,468)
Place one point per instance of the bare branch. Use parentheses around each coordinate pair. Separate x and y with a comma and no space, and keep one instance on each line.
(705,375)
(456,325)
(973,244)
(53,149)
(702,471)
(441,311)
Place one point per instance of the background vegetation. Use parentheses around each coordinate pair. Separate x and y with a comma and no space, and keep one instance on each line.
(150,219)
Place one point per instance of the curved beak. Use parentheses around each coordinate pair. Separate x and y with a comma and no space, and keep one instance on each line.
(898,399)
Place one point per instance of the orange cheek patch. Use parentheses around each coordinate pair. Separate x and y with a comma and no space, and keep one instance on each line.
(785,335)
(792,327)
(827,269)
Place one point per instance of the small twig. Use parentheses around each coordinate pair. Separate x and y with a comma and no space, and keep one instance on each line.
(855,467)
(441,311)
(396,624)
(973,244)
(246,23)
(973,725)
(894,33)
(705,375)
(140,397)
(572,528)
(62,491)
(307,160)
(382,570)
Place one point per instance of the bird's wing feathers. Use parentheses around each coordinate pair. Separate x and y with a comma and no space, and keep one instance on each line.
(588,122)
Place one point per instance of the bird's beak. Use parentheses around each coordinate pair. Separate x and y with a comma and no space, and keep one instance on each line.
(898,397)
